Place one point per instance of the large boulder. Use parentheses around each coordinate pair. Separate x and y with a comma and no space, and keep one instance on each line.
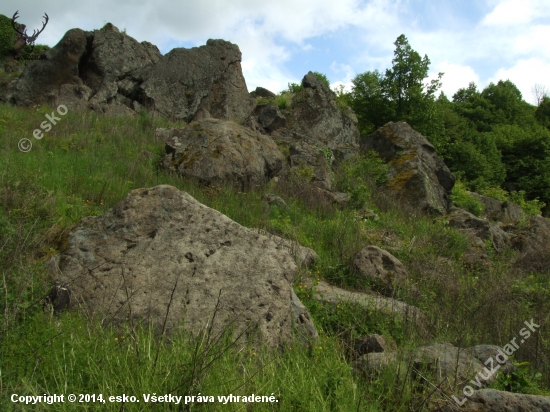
(162,258)
(109,63)
(218,152)
(207,78)
(532,239)
(418,177)
(481,228)
(383,269)
(315,117)
(497,211)
(405,313)
(442,364)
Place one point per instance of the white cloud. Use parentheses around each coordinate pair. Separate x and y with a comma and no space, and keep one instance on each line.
(514,12)
(455,77)
(525,74)
(534,41)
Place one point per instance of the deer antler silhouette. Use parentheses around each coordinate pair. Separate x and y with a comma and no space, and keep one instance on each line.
(29,39)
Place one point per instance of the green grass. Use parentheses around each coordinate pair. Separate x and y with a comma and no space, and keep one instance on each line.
(88,163)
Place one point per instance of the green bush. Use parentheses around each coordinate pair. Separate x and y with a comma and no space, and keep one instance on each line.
(356,175)
(283,100)
(7,36)
(461,198)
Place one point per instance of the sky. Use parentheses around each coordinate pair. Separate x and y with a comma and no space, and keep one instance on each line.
(479,41)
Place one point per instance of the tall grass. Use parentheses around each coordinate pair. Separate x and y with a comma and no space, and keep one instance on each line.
(88,163)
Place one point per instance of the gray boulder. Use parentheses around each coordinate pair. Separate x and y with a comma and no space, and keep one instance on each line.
(207,78)
(302,321)
(269,118)
(162,258)
(325,293)
(315,117)
(262,92)
(481,228)
(418,177)
(383,269)
(444,365)
(306,156)
(497,211)
(109,63)
(221,152)
(40,81)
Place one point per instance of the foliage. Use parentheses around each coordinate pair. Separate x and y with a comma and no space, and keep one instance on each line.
(461,198)
(357,175)
(520,381)
(399,95)
(542,114)
(7,36)
(284,100)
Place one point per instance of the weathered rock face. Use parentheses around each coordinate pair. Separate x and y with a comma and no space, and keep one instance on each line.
(504,212)
(160,256)
(385,271)
(262,92)
(418,176)
(315,117)
(219,152)
(268,117)
(40,80)
(106,61)
(304,155)
(207,77)
(442,363)
(482,228)
(326,293)
(110,72)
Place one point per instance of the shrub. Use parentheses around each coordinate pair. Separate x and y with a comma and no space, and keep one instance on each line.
(358,173)
(7,36)
(461,198)
(283,100)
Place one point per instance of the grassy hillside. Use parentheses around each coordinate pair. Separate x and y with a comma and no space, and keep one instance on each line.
(88,163)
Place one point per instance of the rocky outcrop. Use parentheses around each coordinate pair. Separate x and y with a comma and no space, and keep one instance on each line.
(268,118)
(385,272)
(497,211)
(315,117)
(263,93)
(110,72)
(304,156)
(207,78)
(444,365)
(108,63)
(162,257)
(220,152)
(481,228)
(418,177)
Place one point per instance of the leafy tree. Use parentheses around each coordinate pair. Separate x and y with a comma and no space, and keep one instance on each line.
(369,103)
(403,84)
(398,95)
(542,114)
